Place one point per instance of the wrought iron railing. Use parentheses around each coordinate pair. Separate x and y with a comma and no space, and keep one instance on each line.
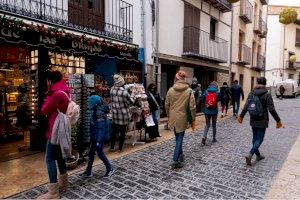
(290,65)
(246,11)
(264,2)
(244,56)
(112,19)
(260,26)
(199,43)
(260,62)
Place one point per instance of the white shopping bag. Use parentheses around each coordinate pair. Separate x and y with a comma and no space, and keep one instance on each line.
(149,121)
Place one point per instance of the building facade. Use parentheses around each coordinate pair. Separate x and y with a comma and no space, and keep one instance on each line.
(283,42)
(80,38)
(194,36)
(249,31)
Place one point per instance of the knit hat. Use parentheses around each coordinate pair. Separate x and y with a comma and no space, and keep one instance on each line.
(119,80)
(94,100)
(181,75)
(214,84)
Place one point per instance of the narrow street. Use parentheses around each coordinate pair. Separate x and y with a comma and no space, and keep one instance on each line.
(216,170)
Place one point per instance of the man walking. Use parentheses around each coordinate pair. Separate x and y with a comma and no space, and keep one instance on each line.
(258,104)
(236,92)
(180,101)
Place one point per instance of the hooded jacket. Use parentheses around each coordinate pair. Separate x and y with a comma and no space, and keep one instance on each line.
(268,105)
(225,93)
(179,98)
(211,111)
(55,100)
(99,124)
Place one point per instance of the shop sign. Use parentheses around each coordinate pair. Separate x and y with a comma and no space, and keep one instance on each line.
(81,46)
(12,54)
(9,33)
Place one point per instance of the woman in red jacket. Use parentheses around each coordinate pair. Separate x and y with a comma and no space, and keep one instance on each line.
(57,99)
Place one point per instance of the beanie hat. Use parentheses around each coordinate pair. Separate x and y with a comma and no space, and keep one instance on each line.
(94,100)
(119,80)
(181,75)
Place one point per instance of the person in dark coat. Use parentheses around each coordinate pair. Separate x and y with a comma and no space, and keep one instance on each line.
(281,91)
(99,134)
(155,106)
(225,98)
(259,126)
(197,93)
(236,92)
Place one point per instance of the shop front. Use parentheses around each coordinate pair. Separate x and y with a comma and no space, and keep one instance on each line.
(28,52)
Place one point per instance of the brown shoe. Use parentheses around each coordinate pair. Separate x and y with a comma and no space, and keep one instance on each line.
(52,193)
(248,160)
(260,157)
(63,182)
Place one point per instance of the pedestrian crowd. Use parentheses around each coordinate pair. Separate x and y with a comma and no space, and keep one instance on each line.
(181,104)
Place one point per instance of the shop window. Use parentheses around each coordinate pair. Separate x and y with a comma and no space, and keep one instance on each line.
(67,64)
(241,80)
(291,76)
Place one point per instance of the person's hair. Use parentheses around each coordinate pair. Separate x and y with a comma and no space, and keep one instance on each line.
(151,85)
(225,83)
(54,77)
(261,81)
(236,81)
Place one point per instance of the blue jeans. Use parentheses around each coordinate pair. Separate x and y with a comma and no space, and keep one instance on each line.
(53,153)
(213,119)
(236,106)
(156,116)
(178,148)
(97,146)
(258,138)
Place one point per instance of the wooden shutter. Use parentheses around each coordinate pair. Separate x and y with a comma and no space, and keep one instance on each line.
(297,38)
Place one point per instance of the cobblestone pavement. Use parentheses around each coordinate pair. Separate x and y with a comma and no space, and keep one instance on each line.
(214,171)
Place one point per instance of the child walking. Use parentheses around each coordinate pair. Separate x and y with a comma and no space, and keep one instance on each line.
(99,133)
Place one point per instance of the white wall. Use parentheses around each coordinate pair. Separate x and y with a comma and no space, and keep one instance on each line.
(285,2)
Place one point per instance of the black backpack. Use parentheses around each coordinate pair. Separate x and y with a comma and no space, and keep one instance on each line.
(255,107)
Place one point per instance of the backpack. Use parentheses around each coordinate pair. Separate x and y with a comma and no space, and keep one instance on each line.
(211,100)
(255,107)
(73,110)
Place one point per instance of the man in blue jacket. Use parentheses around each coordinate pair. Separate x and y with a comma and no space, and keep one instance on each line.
(211,97)
(236,92)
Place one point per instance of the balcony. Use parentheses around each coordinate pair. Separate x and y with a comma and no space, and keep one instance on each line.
(264,2)
(260,62)
(244,56)
(246,11)
(114,20)
(221,5)
(200,44)
(259,25)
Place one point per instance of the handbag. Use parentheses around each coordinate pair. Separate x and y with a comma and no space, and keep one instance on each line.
(189,112)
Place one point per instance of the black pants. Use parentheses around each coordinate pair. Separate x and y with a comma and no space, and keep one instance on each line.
(116,129)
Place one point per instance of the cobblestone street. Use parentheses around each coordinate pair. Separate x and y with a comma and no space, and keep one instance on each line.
(213,171)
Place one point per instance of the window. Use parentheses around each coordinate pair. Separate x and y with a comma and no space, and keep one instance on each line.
(291,76)
(297,43)
(232,77)
(252,83)
(213,24)
(241,80)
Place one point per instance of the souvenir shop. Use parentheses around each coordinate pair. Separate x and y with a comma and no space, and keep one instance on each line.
(27,53)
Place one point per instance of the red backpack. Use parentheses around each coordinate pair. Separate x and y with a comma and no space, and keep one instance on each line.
(211,100)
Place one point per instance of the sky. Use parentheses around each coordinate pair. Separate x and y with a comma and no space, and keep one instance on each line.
(285,2)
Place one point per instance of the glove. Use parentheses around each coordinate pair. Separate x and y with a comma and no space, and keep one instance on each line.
(279,125)
(193,125)
(240,120)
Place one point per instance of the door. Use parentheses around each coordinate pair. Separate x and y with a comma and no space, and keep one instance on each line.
(240,46)
(87,13)
(191,33)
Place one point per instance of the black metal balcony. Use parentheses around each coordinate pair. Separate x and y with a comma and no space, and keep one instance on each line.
(200,44)
(297,65)
(114,20)
(260,62)
(221,5)
(244,56)
(246,11)
(264,2)
(259,26)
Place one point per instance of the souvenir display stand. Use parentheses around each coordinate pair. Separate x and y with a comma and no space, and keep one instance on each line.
(137,92)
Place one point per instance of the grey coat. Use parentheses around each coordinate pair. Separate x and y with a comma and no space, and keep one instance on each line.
(268,104)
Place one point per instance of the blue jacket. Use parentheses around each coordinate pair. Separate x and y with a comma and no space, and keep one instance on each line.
(236,92)
(99,126)
(209,111)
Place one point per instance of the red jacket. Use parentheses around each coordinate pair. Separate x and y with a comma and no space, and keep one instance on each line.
(55,100)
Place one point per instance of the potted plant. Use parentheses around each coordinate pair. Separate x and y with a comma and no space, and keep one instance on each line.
(288,16)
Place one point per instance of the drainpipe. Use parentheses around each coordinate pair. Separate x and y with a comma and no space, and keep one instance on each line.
(230,57)
(264,75)
(156,41)
(283,53)
(144,42)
